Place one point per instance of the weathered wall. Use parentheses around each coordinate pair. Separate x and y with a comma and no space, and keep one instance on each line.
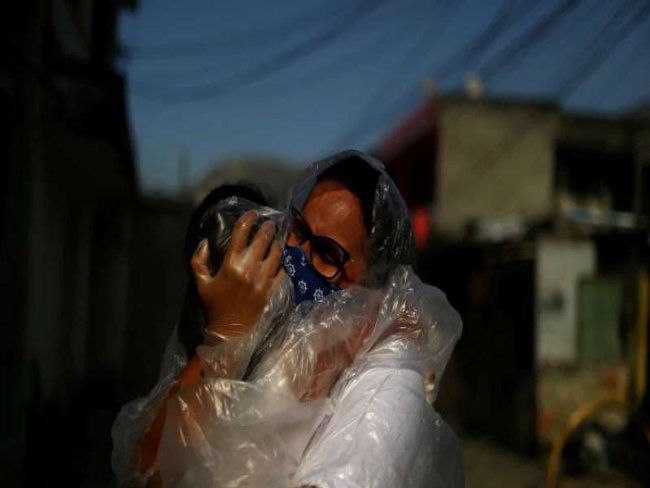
(495,161)
(157,281)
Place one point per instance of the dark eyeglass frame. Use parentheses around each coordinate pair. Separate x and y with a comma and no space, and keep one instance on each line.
(304,234)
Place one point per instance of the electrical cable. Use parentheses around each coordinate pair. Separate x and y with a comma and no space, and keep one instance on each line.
(350,60)
(388,85)
(496,26)
(216,89)
(535,34)
(506,17)
(253,38)
(510,141)
(599,56)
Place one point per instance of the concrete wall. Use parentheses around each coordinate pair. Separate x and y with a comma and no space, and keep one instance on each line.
(561,264)
(68,184)
(496,160)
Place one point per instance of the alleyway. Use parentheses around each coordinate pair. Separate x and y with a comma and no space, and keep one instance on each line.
(487,466)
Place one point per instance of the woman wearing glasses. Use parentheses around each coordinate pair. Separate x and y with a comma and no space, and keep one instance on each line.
(366,334)
(363,332)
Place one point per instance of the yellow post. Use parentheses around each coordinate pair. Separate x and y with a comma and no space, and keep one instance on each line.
(641,339)
(580,415)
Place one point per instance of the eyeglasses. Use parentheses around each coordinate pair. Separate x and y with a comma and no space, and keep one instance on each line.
(326,255)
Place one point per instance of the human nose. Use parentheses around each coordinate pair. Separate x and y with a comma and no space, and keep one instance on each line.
(306,248)
(292,239)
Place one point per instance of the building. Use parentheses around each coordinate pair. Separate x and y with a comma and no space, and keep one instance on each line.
(67,186)
(535,223)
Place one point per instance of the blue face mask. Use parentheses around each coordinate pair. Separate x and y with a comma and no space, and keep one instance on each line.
(308,284)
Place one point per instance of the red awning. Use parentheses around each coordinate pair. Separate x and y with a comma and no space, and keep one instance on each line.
(411,129)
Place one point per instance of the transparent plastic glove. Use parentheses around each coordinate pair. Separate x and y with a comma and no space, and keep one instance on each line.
(235,297)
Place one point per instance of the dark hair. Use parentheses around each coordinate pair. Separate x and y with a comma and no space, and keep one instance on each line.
(361,179)
(199,228)
(192,320)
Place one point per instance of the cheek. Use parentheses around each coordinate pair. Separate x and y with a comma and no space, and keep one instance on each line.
(344,282)
(354,273)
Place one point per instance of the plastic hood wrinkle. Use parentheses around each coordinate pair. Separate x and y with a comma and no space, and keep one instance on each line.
(391,237)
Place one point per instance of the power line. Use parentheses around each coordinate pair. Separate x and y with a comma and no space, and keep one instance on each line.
(252,38)
(379,94)
(351,59)
(388,85)
(216,89)
(505,17)
(642,47)
(504,56)
(519,45)
(511,141)
(607,46)
(498,24)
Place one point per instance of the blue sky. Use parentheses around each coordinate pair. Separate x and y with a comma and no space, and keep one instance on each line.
(299,79)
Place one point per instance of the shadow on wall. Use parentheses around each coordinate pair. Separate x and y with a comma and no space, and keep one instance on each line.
(489,386)
(68,438)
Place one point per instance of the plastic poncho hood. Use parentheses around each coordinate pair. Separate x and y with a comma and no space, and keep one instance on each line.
(391,242)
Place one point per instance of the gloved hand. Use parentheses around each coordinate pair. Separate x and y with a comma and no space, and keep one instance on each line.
(235,297)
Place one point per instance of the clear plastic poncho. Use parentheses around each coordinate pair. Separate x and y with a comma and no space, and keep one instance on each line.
(335,393)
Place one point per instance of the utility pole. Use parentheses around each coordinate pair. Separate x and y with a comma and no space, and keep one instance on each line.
(642,337)
(184,162)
